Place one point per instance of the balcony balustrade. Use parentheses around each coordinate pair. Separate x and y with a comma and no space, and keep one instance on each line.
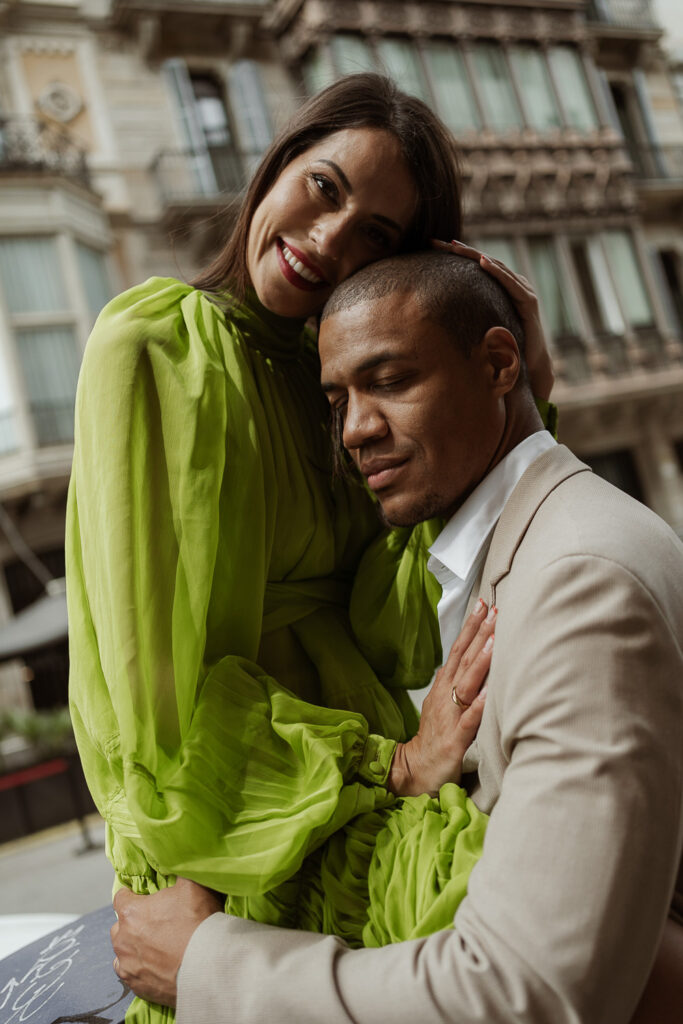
(214,176)
(28,144)
(631,14)
(658,163)
(8,433)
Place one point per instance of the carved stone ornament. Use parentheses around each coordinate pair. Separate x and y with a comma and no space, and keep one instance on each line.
(60,102)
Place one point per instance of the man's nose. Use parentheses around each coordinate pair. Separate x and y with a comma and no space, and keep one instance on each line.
(363,422)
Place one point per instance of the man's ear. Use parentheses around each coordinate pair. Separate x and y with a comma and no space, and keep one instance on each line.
(502,360)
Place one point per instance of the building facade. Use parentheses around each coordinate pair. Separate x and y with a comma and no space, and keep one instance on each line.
(128,128)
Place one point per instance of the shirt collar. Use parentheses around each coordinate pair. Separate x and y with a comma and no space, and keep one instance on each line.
(464,535)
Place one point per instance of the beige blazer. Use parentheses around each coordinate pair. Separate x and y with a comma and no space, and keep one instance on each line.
(579,761)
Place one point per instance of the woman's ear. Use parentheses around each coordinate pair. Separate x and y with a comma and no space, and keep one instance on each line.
(503,363)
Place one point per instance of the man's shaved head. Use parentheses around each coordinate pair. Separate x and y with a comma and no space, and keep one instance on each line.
(453,291)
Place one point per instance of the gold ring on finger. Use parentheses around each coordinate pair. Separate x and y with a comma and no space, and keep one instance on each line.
(457,701)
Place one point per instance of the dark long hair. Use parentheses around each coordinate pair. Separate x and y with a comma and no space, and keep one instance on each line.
(356,101)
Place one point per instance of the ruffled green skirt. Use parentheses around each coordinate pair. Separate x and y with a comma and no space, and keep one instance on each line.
(393,874)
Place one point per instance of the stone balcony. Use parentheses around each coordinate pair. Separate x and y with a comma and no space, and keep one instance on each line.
(29,145)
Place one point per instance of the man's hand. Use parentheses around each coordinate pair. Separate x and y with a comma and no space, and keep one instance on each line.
(447,726)
(152,933)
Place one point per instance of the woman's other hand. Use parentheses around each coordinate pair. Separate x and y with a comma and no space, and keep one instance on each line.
(537,356)
(451,713)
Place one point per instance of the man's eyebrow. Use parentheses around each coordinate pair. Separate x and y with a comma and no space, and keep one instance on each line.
(347,185)
(367,364)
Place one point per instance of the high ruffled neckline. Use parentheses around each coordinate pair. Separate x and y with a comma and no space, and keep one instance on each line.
(279,337)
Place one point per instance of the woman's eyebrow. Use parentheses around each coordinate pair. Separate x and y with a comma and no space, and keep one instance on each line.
(347,185)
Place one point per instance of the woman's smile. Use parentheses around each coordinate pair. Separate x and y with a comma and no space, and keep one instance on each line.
(298,269)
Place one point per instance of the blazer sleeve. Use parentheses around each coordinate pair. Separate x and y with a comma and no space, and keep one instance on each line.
(565,909)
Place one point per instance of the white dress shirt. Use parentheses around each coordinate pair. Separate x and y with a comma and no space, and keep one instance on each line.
(459,551)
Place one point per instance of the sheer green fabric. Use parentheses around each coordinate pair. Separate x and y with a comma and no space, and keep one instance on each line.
(243,633)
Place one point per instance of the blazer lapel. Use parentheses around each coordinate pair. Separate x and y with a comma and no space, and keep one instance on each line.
(540,479)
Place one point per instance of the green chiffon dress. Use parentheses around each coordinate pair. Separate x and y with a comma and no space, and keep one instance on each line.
(243,633)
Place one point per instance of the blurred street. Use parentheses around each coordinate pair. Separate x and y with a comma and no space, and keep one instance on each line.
(46,872)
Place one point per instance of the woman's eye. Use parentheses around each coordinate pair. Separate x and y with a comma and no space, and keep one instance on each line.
(378,237)
(327,187)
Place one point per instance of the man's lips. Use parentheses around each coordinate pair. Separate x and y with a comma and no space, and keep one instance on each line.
(298,269)
(381,473)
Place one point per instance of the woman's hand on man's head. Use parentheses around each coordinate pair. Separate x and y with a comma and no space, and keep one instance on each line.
(537,357)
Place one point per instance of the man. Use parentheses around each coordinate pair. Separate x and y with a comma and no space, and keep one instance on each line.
(578,759)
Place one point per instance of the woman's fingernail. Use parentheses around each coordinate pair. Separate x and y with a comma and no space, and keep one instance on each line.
(456,241)
(481,696)
(481,605)
(493,611)
(488,645)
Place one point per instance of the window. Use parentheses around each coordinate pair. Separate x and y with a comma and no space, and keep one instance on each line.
(94,277)
(318,70)
(402,62)
(597,288)
(550,286)
(352,54)
(500,249)
(535,86)
(501,110)
(628,279)
(8,431)
(44,330)
(572,86)
(49,361)
(248,102)
(451,87)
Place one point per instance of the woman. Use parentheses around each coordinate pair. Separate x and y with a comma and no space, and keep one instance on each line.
(242,633)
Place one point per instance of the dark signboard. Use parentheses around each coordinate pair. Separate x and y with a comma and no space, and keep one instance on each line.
(66,977)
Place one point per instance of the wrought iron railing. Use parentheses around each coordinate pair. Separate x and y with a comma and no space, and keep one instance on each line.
(638,14)
(29,144)
(54,421)
(657,162)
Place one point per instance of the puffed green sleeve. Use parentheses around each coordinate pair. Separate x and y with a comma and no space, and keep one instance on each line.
(200,762)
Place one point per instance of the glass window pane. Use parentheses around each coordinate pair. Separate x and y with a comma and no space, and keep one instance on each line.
(501,109)
(623,262)
(317,70)
(402,63)
(96,284)
(248,104)
(536,88)
(352,54)
(31,276)
(500,249)
(49,360)
(549,286)
(572,86)
(451,87)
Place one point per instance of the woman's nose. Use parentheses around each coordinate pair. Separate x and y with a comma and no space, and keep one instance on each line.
(329,235)
(363,423)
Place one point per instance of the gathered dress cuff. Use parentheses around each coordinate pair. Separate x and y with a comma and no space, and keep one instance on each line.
(376,760)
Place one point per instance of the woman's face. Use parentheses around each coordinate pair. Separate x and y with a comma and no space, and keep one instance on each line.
(346,201)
